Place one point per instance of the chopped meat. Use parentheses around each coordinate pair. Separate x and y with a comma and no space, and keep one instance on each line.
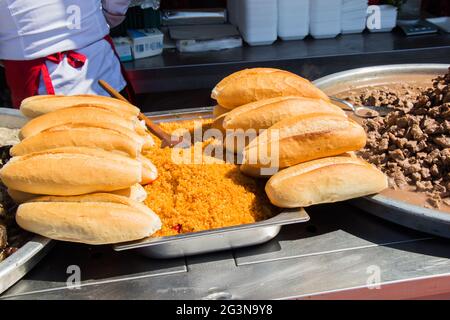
(3,236)
(397,154)
(412,143)
(417,133)
(442,141)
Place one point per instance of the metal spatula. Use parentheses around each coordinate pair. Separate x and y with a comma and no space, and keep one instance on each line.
(363,111)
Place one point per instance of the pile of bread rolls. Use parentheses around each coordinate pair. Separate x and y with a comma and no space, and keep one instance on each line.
(315,138)
(78,170)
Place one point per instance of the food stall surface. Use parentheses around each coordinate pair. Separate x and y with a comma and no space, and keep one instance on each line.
(337,254)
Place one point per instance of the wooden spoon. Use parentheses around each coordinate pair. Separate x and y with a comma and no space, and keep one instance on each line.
(166,138)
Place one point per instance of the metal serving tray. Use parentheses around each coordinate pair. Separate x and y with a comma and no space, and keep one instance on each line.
(415,217)
(23,260)
(214,239)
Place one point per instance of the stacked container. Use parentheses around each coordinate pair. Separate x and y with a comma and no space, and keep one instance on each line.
(257,20)
(354,15)
(293,19)
(388,19)
(325,18)
(232,12)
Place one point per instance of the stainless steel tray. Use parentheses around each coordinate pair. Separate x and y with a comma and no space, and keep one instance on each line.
(215,239)
(415,217)
(23,260)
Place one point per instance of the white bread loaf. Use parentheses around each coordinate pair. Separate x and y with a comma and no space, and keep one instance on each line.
(73,115)
(79,136)
(92,219)
(255,84)
(265,113)
(324,180)
(145,140)
(304,138)
(35,106)
(149,171)
(71,171)
(136,193)
(219,110)
(255,172)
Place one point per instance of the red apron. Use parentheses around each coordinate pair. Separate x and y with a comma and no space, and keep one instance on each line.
(23,76)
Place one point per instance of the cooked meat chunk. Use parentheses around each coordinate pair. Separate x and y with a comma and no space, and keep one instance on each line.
(412,143)
(3,237)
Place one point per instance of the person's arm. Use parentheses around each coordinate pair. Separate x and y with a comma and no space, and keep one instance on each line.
(115,10)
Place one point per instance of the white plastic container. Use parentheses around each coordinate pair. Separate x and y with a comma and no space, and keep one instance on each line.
(354,16)
(388,15)
(232,12)
(293,19)
(257,21)
(325,18)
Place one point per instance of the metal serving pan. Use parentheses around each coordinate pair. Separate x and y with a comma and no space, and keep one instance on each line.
(416,217)
(214,239)
(23,260)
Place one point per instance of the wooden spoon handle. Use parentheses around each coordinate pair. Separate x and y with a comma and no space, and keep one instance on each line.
(153,127)
(113,92)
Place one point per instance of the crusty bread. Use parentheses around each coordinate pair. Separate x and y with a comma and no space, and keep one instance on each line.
(35,106)
(324,180)
(251,85)
(73,115)
(304,138)
(218,123)
(71,171)
(219,110)
(265,113)
(149,171)
(92,219)
(21,197)
(146,140)
(78,136)
(136,192)
(255,172)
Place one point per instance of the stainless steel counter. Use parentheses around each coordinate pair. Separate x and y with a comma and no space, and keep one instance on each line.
(336,254)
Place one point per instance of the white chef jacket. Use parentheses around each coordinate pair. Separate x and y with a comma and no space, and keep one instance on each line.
(31,29)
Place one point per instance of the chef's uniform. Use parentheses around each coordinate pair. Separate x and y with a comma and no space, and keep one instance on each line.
(59,46)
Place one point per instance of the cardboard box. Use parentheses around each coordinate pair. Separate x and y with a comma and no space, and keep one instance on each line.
(146,42)
(123,48)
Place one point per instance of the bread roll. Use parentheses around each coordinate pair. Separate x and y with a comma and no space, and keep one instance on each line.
(218,123)
(149,171)
(255,172)
(91,219)
(265,113)
(78,136)
(324,180)
(35,106)
(136,192)
(21,197)
(71,171)
(219,110)
(146,141)
(251,85)
(73,115)
(304,138)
